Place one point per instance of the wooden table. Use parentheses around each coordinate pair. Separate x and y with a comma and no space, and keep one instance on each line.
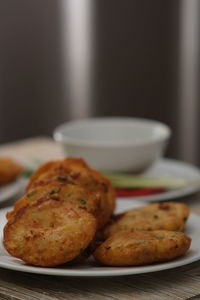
(179,283)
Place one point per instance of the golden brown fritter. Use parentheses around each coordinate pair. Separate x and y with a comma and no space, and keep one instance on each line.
(128,248)
(49,232)
(154,216)
(67,171)
(59,189)
(43,172)
(73,194)
(9,170)
(74,171)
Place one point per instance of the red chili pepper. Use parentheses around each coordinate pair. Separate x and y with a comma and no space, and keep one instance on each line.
(138,192)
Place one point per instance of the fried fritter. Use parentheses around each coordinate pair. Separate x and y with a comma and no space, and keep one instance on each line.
(49,233)
(73,194)
(41,176)
(74,171)
(9,170)
(154,216)
(128,248)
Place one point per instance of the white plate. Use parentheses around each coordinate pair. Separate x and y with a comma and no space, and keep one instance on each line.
(90,268)
(173,169)
(12,189)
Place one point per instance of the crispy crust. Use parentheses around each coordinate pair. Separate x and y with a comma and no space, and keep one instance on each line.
(155,216)
(128,248)
(56,220)
(49,233)
(73,194)
(74,171)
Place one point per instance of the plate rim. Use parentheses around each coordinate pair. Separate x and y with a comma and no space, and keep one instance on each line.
(120,271)
(16,187)
(109,273)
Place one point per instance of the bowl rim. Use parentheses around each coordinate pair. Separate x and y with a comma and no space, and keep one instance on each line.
(59,136)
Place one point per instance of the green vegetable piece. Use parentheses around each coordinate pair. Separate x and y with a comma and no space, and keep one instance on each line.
(160,238)
(31,193)
(121,180)
(83,201)
(54,191)
(27,173)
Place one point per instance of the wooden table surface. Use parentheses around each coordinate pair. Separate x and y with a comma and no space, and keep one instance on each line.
(178,283)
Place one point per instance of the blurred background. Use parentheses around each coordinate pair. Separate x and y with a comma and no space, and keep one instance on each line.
(71,59)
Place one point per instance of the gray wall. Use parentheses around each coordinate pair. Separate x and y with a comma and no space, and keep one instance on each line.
(136,65)
(136,73)
(31,88)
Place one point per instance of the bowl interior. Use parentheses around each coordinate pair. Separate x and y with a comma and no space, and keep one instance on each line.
(112,131)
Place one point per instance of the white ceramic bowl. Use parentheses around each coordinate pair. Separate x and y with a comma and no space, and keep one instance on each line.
(114,144)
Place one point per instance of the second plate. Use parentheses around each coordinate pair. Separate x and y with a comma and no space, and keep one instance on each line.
(172,169)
